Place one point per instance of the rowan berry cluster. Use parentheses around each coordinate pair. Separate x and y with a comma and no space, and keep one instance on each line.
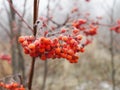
(11,86)
(62,47)
(89,30)
(67,42)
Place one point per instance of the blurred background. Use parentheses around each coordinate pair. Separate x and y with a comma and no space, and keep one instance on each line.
(98,68)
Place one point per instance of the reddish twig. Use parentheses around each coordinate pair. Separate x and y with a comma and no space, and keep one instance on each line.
(35,16)
(31,74)
(22,19)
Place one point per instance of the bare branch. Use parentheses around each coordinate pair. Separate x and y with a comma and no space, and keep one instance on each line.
(22,19)
(60,25)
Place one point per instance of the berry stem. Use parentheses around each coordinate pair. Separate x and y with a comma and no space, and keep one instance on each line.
(31,74)
(35,16)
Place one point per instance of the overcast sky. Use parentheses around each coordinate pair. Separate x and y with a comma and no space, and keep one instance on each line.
(95,5)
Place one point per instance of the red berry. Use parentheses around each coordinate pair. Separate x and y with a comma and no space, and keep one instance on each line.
(21,39)
(31,46)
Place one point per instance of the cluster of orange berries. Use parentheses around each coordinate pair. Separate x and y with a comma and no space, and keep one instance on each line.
(80,24)
(62,46)
(12,86)
(66,44)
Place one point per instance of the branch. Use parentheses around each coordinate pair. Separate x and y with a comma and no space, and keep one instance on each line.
(22,19)
(60,25)
(35,16)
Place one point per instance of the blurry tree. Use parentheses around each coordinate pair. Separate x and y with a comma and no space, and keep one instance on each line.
(13,31)
(113,46)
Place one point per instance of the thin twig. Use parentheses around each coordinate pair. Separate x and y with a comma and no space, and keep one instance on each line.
(112,49)
(60,25)
(5,29)
(45,75)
